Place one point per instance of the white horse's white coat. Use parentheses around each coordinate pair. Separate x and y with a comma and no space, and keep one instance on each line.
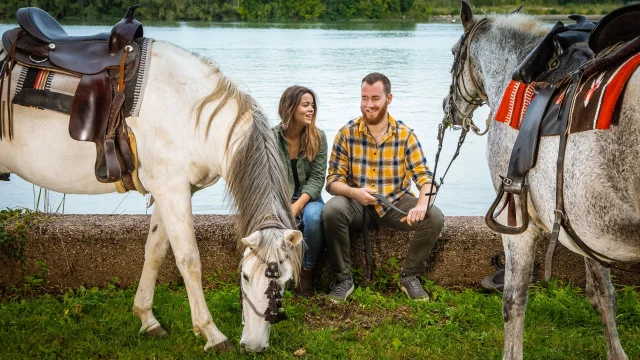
(176,158)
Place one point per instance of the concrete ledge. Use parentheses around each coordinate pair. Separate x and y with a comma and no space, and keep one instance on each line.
(91,250)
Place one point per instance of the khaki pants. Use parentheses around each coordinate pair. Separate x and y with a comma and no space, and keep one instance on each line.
(342,214)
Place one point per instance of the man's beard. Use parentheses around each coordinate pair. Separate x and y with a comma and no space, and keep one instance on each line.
(377,119)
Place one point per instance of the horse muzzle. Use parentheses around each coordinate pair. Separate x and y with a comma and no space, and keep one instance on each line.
(245,349)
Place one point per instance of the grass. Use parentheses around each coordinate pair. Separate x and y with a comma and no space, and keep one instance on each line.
(98,323)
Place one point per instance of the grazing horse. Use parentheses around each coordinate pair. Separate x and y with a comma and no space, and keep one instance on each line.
(194,127)
(601,173)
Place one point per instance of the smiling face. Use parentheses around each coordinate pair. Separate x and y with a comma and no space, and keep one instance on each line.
(305,111)
(374,102)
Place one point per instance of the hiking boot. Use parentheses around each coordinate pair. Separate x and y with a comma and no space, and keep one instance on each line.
(341,290)
(305,287)
(413,288)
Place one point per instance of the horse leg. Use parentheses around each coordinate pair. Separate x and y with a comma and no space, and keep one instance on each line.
(154,254)
(603,298)
(174,203)
(519,256)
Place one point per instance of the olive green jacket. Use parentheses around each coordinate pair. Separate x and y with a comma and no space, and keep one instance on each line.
(311,174)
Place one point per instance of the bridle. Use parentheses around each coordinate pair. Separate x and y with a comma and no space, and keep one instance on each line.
(275,311)
(458,87)
(462,58)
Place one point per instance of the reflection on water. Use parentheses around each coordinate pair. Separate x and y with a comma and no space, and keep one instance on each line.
(332,59)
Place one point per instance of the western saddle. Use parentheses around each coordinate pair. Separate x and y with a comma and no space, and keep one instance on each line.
(567,55)
(104,62)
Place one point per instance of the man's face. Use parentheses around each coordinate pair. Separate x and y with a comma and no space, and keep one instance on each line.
(374,102)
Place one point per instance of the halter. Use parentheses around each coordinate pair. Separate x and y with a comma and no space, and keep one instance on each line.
(457,69)
(274,312)
(462,57)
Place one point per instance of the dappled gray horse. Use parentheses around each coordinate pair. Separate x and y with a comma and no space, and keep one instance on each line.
(601,174)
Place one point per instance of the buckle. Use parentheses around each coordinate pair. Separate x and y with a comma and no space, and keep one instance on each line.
(506,181)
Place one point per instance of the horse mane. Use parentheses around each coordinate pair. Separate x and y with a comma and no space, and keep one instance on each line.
(256,175)
(256,181)
(523,23)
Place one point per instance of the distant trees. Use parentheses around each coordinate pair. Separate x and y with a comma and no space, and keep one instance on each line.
(284,10)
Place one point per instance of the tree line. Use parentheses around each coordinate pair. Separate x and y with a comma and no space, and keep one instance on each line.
(293,10)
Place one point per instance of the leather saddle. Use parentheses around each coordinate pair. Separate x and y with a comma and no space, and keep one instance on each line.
(104,62)
(582,47)
(566,56)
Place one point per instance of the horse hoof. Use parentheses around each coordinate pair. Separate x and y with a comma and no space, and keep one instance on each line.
(157,332)
(223,347)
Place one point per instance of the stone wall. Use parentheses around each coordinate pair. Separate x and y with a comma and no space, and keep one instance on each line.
(91,250)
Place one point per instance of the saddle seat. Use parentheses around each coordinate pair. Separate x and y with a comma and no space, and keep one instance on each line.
(42,26)
(104,62)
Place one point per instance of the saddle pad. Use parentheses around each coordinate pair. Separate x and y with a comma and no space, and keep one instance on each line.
(595,103)
(48,90)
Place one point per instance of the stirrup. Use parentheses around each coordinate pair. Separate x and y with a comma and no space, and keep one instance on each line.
(490,218)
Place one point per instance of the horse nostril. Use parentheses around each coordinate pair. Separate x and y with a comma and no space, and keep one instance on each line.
(263,349)
(445,102)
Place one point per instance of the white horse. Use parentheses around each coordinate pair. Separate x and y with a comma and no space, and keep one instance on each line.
(601,175)
(194,127)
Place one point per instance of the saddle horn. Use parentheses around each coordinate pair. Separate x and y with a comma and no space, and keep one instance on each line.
(131,10)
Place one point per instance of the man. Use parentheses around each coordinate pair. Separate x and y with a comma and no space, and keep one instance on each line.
(376,154)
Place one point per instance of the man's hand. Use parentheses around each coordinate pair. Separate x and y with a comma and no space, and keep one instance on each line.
(363,196)
(416,214)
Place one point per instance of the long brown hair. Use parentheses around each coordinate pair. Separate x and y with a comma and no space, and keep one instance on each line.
(310,138)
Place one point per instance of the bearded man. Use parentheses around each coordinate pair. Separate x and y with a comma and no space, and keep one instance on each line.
(376,154)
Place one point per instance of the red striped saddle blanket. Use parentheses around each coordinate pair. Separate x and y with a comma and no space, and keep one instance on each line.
(596,102)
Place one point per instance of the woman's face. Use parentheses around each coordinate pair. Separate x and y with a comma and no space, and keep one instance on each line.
(304,112)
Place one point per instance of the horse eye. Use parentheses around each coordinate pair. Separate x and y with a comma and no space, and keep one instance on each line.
(554,63)
(245,276)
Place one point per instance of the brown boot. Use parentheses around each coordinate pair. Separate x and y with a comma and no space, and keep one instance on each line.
(305,288)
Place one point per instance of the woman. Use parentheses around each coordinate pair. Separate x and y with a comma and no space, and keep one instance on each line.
(303,150)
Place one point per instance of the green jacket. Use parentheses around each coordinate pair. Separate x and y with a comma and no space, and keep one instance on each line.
(310,174)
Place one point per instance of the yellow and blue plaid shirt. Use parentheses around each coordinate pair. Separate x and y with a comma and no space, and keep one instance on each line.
(358,161)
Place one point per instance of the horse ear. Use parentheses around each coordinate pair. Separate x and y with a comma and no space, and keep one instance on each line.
(466,15)
(252,240)
(517,10)
(293,236)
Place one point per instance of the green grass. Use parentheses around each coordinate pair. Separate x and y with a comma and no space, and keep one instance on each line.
(98,323)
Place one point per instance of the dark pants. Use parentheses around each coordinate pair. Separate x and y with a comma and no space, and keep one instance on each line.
(342,214)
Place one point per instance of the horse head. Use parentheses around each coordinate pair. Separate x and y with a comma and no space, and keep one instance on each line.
(270,260)
(465,93)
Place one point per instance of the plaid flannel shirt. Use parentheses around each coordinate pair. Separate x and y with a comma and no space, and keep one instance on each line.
(389,167)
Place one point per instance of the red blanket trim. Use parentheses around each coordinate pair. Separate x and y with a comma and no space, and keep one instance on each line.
(613,90)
